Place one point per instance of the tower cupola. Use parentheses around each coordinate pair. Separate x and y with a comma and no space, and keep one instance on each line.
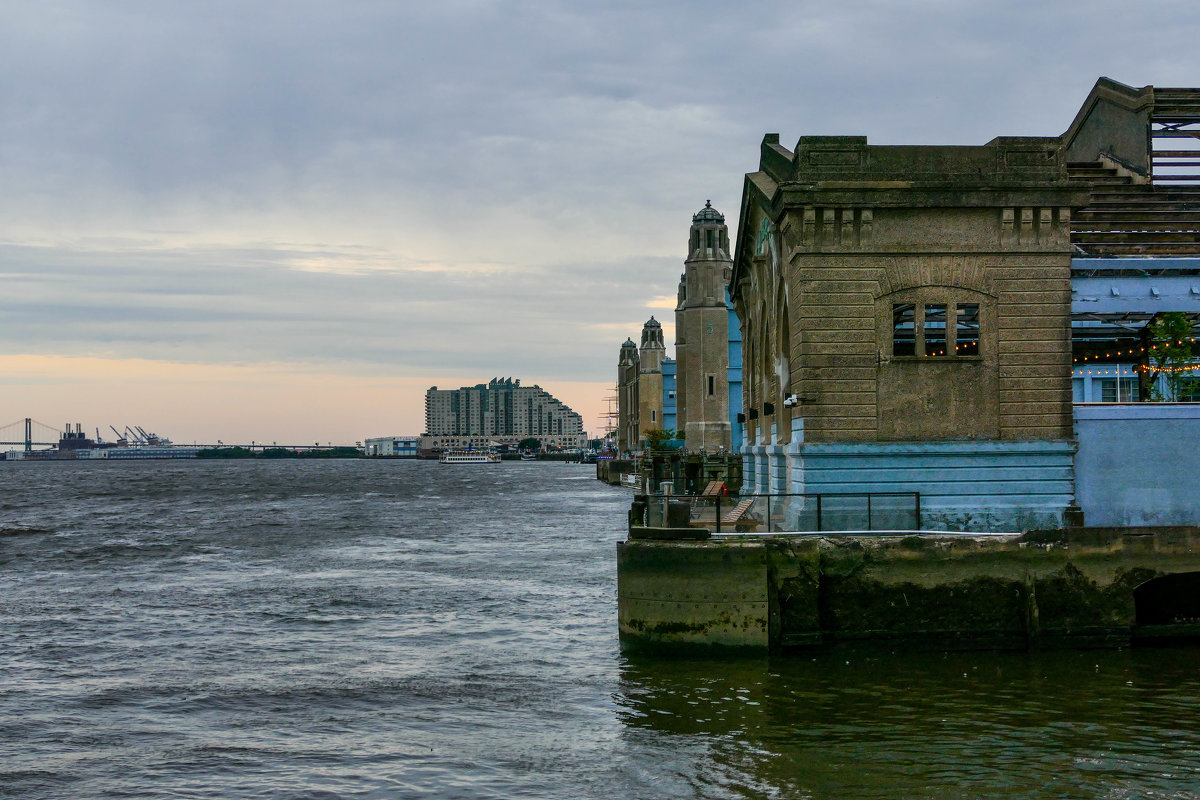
(709,236)
(652,334)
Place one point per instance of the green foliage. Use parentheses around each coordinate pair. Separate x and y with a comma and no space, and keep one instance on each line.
(333,452)
(225,452)
(1170,353)
(679,435)
(529,443)
(656,436)
(279,452)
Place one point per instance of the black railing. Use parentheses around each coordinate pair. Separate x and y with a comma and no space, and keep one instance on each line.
(820,512)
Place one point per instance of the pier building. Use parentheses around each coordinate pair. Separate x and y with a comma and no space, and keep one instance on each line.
(972,330)
(918,317)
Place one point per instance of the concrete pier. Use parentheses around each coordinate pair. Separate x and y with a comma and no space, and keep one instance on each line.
(1069,587)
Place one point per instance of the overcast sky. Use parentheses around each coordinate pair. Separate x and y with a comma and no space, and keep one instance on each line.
(283,221)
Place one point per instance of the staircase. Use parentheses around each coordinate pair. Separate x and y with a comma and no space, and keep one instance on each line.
(1126,218)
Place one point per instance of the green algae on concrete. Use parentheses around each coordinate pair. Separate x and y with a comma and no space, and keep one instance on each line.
(1072,587)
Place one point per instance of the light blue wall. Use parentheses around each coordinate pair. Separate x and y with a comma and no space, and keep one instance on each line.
(736,429)
(964,486)
(670,403)
(1138,464)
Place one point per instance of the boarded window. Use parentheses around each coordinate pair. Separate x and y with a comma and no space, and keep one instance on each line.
(904,331)
(966,332)
(935,330)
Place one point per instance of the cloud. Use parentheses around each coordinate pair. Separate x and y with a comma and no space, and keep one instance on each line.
(473,187)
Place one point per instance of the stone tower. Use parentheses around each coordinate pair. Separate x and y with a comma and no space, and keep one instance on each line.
(628,426)
(702,334)
(650,378)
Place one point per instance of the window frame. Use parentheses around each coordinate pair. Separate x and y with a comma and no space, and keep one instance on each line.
(917,303)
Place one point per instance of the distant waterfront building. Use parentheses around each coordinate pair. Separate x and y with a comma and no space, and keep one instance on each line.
(646,388)
(392,446)
(628,426)
(651,355)
(500,413)
(699,392)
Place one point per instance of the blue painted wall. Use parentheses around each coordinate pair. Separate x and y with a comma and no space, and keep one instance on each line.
(1138,464)
(736,429)
(670,403)
(964,485)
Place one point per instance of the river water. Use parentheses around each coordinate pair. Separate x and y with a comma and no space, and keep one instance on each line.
(403,629)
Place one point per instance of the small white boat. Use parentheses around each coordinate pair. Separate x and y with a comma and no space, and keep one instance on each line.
(469,457)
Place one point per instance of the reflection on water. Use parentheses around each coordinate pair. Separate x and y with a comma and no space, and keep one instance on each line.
(880,724)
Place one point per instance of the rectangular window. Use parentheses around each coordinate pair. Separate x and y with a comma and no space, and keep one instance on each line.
(966,332)
(1123,390)
(712,385)
(904,320)
(653,416)
(708,239)
(935,330)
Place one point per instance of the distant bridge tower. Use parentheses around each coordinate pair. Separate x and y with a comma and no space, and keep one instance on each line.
(28,434)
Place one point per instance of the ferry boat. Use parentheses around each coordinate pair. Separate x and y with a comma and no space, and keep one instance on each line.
(469,457)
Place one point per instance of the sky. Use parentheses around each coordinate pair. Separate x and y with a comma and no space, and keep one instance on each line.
(276,221)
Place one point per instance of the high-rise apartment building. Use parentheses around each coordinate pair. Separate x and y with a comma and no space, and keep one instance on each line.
(502,411)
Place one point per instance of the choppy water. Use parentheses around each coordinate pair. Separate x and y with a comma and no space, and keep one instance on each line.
(406,629)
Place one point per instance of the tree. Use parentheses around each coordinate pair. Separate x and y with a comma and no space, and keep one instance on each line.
(529,443)
(656,436)
(1170,354)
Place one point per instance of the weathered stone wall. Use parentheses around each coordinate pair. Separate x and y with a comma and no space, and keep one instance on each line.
(678,594)
(1062,587)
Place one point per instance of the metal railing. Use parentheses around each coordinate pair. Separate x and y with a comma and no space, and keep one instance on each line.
(820,512)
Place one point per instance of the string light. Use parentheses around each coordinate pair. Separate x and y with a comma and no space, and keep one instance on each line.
(1131,351)
(1152,368)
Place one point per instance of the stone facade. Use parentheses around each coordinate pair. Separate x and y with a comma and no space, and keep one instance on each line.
(650,378)
(628,408)
(906,294)
(641,388)
(701,334)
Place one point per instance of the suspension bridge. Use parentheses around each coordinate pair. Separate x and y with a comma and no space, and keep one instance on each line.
(27,429)
(30,433)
